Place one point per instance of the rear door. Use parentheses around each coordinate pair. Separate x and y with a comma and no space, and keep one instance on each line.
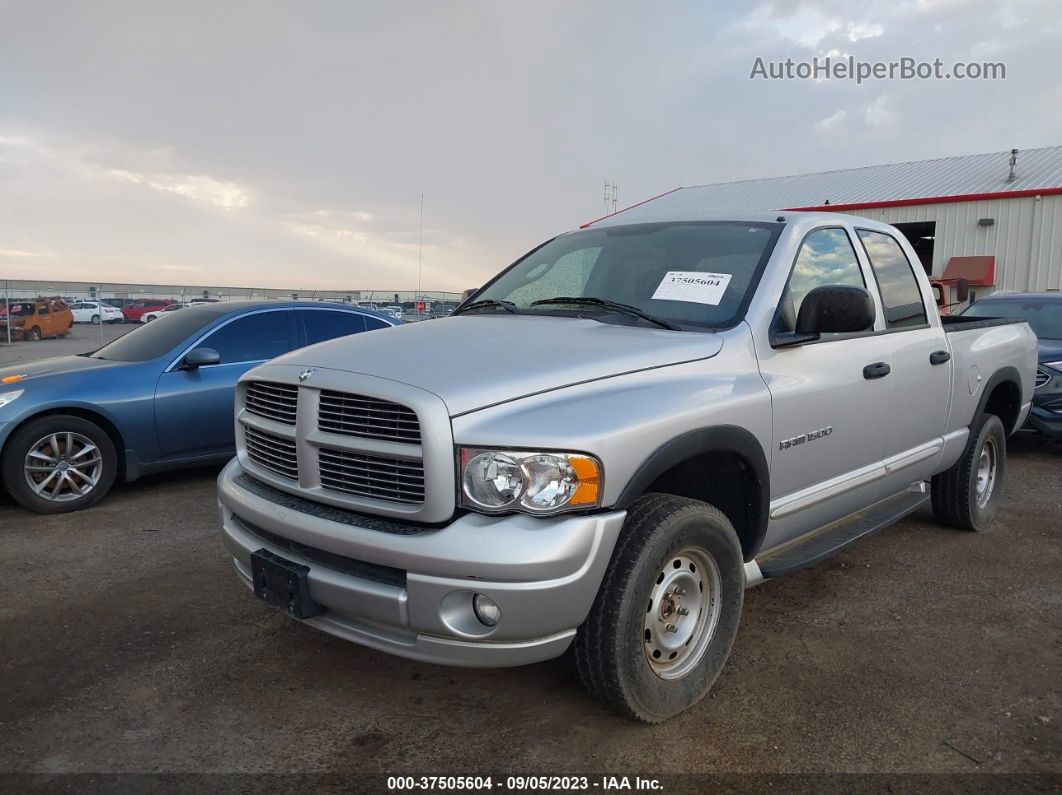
(830,422)
(921,369)
(194,408)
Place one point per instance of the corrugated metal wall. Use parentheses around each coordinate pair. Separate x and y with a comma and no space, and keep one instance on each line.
(1026,237)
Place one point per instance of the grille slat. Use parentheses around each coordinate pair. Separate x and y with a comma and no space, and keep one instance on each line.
(271,452)
(357,415)
(273,401)
(372,476)
(1042,377)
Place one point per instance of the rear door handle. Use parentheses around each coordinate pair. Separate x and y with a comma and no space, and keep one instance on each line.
(939,357)
(876,370)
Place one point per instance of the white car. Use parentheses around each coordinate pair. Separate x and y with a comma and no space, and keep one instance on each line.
(95,312)
(147,317)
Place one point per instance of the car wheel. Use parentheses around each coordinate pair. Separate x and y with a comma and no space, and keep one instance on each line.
(59,463)
(667,612)
(95,320)
(968,495)
(34,335)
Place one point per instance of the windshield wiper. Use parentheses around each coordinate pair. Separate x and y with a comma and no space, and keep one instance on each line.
(625,308)
(508,306)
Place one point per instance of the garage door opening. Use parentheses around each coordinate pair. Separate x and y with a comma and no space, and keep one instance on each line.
(922,235)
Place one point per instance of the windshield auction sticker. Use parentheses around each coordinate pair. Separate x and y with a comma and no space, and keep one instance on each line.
(692,286)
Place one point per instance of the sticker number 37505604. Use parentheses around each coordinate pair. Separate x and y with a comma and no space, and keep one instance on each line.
(693,286)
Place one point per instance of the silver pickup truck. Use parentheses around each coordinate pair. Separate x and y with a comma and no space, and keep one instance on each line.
(605,445)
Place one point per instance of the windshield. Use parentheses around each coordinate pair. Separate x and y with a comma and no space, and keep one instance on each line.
(693,274)
(155,338)
(1044,315)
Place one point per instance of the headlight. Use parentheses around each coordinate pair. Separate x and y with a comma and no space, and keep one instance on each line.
(495,481)
(7,397)
(1054,365)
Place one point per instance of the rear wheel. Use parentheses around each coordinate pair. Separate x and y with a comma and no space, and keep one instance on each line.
(95,320)
(59,463)
(667,611)
(968,495)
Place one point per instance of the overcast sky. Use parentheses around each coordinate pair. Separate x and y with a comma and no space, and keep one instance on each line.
(287,145)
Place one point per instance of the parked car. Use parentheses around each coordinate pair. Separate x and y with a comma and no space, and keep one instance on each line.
(95,312)
(1043,313)
(147,317)
(133,311)
(157,398)
(612,439)
(35,320)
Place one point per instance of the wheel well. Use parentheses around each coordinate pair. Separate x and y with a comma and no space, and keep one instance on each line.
(1005,402)
(725,480)
(87,414)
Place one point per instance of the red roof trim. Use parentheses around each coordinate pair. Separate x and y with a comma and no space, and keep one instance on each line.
(639,204)
(968,197)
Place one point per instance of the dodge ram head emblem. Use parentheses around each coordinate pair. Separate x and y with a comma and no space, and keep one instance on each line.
(306,374)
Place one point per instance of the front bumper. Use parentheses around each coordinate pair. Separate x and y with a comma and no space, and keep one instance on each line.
(543,573)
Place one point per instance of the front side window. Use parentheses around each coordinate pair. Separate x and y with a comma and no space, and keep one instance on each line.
(691,275)
(900,295)
(251,338)
(826,257)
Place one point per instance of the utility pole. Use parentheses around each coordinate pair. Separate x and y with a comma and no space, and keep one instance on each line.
(420,248)
(611,197)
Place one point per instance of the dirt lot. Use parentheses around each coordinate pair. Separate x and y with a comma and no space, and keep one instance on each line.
(128,644)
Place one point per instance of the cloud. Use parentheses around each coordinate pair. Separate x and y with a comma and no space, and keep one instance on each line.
(864,30)
(832,122)
(195,187)
(880,112)
(23,254)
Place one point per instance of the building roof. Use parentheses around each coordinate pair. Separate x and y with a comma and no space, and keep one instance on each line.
(963,178)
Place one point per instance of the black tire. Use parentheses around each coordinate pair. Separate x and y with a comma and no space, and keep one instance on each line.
(95,320)
(956,491)
(25,438)
(611,648)
(34,335)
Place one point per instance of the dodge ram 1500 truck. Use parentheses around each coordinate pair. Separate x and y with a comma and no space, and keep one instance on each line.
(611,440)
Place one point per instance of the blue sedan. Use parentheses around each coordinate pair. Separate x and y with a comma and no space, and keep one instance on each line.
(157,398)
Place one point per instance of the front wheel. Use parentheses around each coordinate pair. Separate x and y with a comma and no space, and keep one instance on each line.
(34,334)
(967,496)
(59,463)
(667,612)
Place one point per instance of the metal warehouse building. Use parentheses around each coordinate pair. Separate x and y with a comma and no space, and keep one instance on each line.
(995,219)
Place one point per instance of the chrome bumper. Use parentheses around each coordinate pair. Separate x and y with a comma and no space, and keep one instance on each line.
(542,573)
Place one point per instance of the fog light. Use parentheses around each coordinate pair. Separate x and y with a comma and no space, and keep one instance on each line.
(486,610)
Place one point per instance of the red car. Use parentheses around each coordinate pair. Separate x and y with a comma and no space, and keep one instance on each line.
(132,312)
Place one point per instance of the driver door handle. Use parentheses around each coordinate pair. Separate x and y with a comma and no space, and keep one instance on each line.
(876,370)
(939,357)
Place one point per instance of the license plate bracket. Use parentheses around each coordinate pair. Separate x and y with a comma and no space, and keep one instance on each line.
(282,584)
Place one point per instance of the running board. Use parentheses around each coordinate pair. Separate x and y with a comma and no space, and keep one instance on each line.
(833,538)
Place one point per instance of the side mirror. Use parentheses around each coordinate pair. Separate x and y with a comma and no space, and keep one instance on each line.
(200,357)
(835,309)
(962,290)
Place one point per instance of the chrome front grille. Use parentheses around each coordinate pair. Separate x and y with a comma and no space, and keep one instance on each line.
(370,418)
(378,477)
(272,452)
(1042,377)
(273,401)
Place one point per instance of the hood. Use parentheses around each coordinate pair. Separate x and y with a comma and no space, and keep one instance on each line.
(1050,350)
(474,361)
(60,365)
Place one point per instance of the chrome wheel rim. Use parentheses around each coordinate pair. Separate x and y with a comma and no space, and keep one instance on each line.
(682,614)
(64,466)
(986,473)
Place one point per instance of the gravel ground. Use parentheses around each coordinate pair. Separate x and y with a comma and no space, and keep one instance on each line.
(83,337)
(128,644)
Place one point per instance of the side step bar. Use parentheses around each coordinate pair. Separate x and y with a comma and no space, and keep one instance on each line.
(833,538)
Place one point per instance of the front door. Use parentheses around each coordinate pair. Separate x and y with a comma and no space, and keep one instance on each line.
(829,434)
(194,407)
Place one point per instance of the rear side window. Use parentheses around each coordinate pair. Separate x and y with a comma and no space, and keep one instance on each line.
(899,289)
(374,322)
(327,324)
(251,338)
(826,257)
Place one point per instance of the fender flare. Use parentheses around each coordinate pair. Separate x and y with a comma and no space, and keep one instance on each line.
(1000,376)
(718,439)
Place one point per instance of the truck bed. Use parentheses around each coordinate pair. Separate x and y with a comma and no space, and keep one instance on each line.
(960,323)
